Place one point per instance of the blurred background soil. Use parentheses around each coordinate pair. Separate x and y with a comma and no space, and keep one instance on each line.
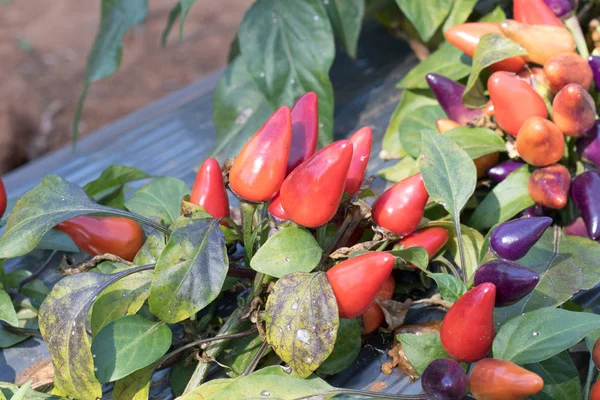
(43,50)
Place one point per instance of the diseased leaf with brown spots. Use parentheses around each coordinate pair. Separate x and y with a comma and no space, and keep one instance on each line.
(302,320)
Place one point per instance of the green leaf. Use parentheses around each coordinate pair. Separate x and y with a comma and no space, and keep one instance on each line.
(461,9)
(36,290)
(289,250)
(57,240)
(190,271)
(9,339)
(561,379)
(302,320)
(422,349)
(180,376)
(239,109)
(346,17)
(540,334)
(9,391)
(113,176)
(7,310)
(426,16)
(239,352)
(288,47)
(209,388)
(135,386)
(159,200)
(346,348)
(496,15)
(449,286)
(128,344)
(403,169)
(417,121)
(171,18)
(105,57)
(446,60)
(507,199)
(185,6)
(491,48)
(476,142)
(416,256)
(151,249)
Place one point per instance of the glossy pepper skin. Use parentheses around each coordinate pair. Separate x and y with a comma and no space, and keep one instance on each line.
(561,8)
(467,330)
(493,379)
(311,194)
(594,62)
(588,146)
(576,228)
(120,236)
(595,391)
(540,142)
(534,12)
(444,125)
(361,144)
(499,172)
(449,95)
(549,186)
(209,190)
(373,317)
(573,110)
(3,199)
(542,42)
(585,192)
(356,281)
(305,129)
(515,101)
(512,281)
(466,36)
(401,208)
(260,168)
(513,239)
(444,379)
(534,211)
(566,68)
(596,354)
(276,209)
(431,239)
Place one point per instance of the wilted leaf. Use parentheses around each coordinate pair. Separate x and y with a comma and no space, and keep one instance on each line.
(346,348)
(394,312)
(39,374)
(159,200)
(302,320)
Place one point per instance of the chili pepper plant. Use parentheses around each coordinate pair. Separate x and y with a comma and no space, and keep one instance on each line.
(279,262)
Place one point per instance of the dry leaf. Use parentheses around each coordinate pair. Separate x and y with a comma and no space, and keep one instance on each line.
(377,386)
(40,374)
(394,311)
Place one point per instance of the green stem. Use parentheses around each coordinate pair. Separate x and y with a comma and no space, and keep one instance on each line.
(448,266)
(371,395)
(589,379)
(252,365)
(383,245)
(248,211)
(461,250)
(322,235)
(234,226)
(572,24)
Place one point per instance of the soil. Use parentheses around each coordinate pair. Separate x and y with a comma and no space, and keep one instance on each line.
(44,46)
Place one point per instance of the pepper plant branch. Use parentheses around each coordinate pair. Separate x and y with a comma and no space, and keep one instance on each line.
(449,266)
(461,249)
(252,366)
(370,395)
(36,273)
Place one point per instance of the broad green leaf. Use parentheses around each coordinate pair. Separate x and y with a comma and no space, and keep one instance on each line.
(22,393)
(449,286)
(461,9)
(289,250)
(476,142)
(561,379)
(403,169)
(346,17)
(128,344)
(403,134)
(36,290)
(538,335)
(288,47)
(8,390)
(180,376)
(57,240)
(422,349)
(302,320)
(239,109)
(135,386)
(426,16)
(190,271)
(491,48)
(9,339)
(207,389)
(159,200)
(52,201)
(566,265)
(275,383)
(7,310)
(105,57)
(124,297)
(508,198)
(496,15)
(447,60)
(151,249)
(111,177)
(416,256)
(346,348)
(239,352)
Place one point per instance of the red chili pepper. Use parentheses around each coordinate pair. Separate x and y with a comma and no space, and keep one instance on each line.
(357,281)
(276,209)
(361,143)
(311,194)
(566,68)
(259,169)
(209,190)
(305,129)
(534,12)
(3,199)
(466,37)
(373,316)
(493,379)
(595,391)
(573,110)
(515,101)
(596,352)
(467,330)
(431,239)
(540,142)
(120,236)
(401,208)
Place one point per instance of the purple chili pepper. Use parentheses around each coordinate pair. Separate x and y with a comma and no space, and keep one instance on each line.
(513,239)
(449,94)
(577,228)
(588,146)
(585,192)
(500,171)
(594,62)
(535,211)
(513,281)
(561,8)
(444,379)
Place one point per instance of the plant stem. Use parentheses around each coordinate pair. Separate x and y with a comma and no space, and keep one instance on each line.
(36,273)
(256,359)
(234,226)
(20,331)
(383,245)
(572,24)
(321,235)
(461,250)
(449,266)
(248,211)
(372,395)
